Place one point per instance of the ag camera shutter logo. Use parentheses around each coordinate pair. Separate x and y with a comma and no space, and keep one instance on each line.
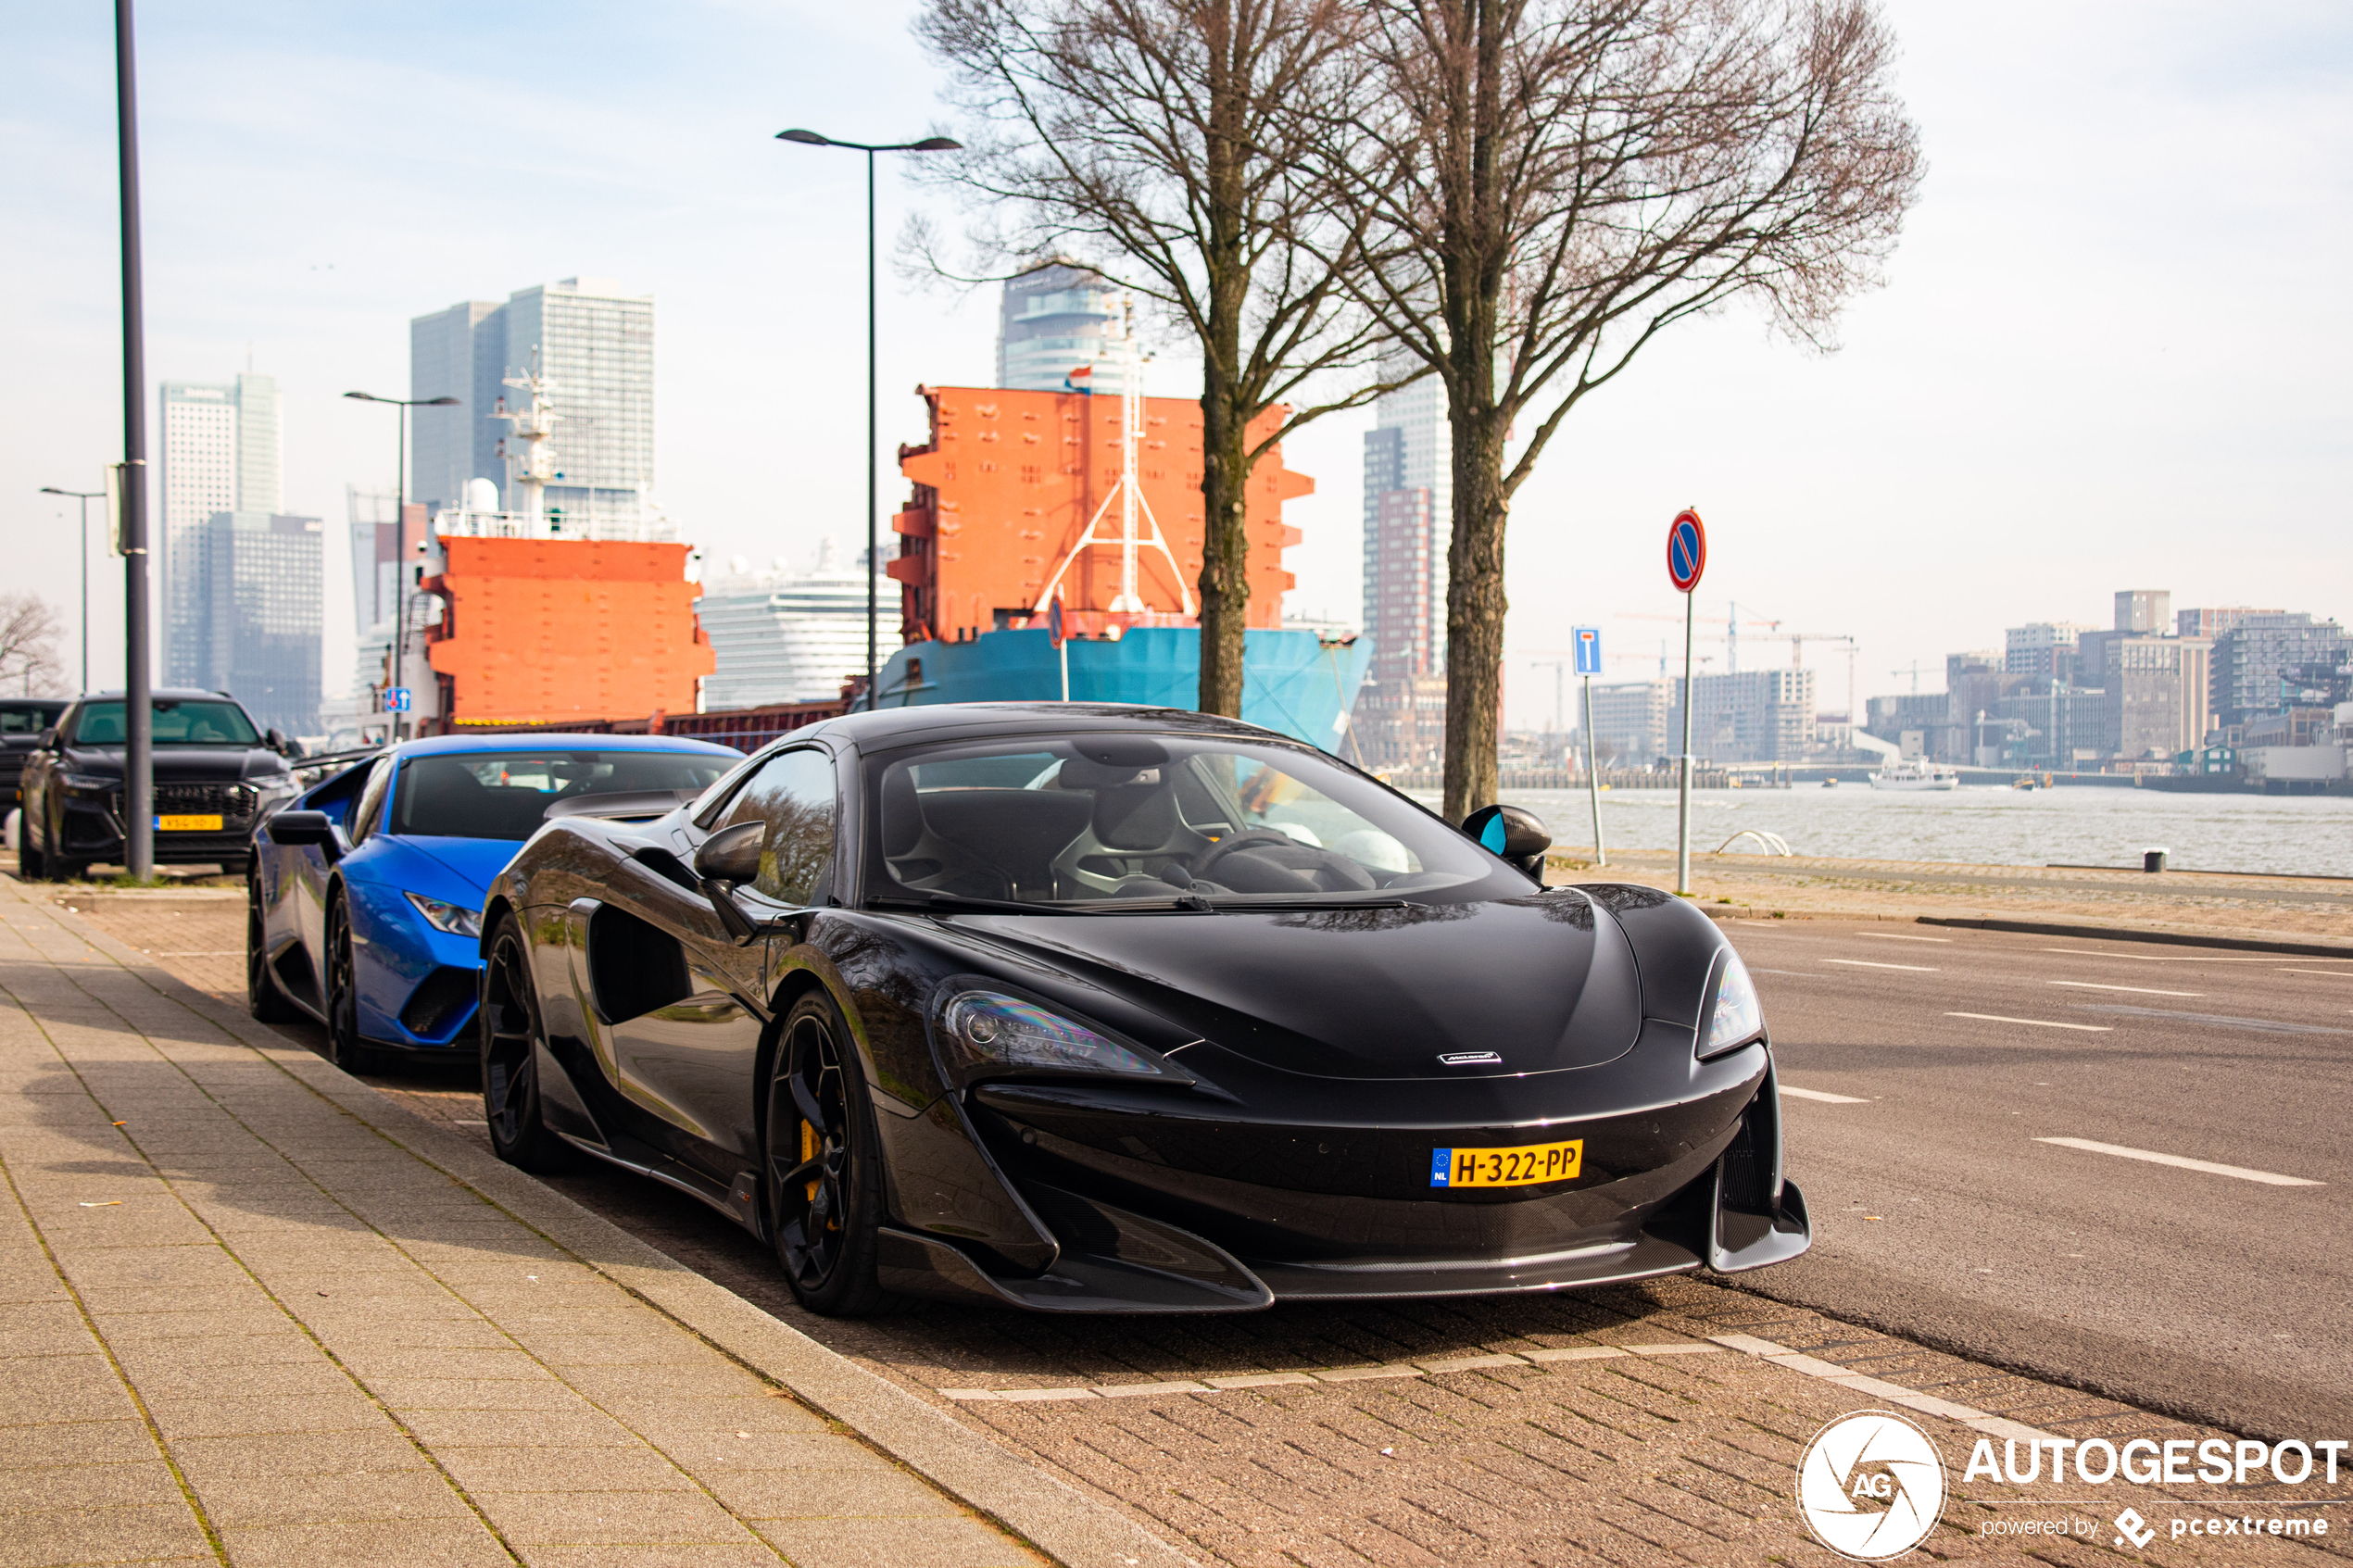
(1870,1486)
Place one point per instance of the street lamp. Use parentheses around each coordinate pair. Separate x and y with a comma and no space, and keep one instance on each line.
(399,530)
(85,498)
(873,551)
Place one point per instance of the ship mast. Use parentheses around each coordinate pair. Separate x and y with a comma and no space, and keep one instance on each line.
(1130,496)
(530,460)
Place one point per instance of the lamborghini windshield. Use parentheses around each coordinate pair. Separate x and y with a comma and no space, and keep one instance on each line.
(1149,820)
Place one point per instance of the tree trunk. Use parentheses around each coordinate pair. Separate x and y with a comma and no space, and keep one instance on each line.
(1475,606)
(1224,546)
(1224,469)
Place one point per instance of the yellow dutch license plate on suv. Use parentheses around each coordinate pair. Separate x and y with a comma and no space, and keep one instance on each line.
(187,824)
(1525,1166)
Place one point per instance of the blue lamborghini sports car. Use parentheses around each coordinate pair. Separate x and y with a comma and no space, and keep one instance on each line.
(363,909)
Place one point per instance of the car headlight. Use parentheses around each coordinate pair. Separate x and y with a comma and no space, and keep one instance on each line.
(1738,1014)
(983,1031)
(89,781)
(455,919)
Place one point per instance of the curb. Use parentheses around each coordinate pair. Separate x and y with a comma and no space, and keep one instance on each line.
(1073,1529)
(2142,933)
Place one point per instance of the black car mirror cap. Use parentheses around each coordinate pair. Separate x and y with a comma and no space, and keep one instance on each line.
(731,855)
(295,830)
(1513,834)
(48,741)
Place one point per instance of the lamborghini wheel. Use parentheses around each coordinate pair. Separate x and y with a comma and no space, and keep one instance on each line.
(346,1047)
(263,999)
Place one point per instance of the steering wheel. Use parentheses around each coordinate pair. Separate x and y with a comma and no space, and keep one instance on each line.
(1209,858)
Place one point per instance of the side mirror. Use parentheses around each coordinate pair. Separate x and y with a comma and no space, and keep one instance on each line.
(1516,836)
(728,860)
(296,830)
(48,741)
(275,739)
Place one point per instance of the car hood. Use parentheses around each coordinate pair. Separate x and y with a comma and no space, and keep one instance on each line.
(1546,982)
(477,861)
(181,764)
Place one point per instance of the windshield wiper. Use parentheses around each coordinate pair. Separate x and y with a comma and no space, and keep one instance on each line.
(1295,906)
(1190,904)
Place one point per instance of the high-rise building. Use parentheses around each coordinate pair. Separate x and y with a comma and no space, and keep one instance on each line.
(1057,316)
(221,452)
(1409,514)
(1632,723)
(2044,649)
(592,344)
(2264,664)
(2156,695)
(2144,611)
(262,616)
(2212,623)
(1754,716)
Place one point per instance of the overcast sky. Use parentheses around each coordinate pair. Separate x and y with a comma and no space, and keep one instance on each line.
(2112,350)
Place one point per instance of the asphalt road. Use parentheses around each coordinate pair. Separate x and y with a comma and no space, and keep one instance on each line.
(1942,1213)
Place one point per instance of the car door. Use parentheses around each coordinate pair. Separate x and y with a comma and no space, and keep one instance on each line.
(690,1060)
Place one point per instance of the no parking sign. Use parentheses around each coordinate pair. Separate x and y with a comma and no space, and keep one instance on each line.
(1686,550)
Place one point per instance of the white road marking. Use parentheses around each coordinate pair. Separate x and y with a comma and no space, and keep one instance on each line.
(1877,1388)
(2155,957)
(2241,1172)
(1826,1100)
(2331,973)
(2037,1022)
(1866,964)
(1892,936)
(2137,990)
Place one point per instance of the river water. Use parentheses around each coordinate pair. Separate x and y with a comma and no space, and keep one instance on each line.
(2310,836)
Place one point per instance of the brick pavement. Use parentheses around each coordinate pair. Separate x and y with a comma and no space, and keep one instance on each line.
(246,1327)
(1528,1459)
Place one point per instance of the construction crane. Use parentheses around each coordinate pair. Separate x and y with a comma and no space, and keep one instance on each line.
(1913,669)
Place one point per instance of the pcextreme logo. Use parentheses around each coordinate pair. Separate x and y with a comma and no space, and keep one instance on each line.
(1870,1486)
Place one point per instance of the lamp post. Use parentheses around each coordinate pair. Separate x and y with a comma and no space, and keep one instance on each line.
(85,498)
(873,550)
(401,530)
(138,685)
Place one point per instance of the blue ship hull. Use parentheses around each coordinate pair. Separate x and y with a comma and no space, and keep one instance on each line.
(1293,681)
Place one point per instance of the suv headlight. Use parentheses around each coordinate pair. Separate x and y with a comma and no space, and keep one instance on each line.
(455,919)
(89,781)
(983,1031)
(1738,1014)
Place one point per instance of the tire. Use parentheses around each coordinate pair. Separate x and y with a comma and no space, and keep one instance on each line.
(32,865)
(346,1047)
(825,1166)
(263,999)
(508,1021)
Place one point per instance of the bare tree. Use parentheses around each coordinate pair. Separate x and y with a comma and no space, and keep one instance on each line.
(1177,144)
(30,628)
(1565,179)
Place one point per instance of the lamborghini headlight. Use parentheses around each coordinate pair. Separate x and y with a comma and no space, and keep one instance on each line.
(981,1032)
(455,919)
(1738,1016)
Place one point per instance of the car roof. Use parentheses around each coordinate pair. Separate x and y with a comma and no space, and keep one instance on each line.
(161,693)
(893,726)
(429,745)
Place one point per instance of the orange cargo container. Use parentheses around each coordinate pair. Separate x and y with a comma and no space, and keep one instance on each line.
(544,630)
(1006,487)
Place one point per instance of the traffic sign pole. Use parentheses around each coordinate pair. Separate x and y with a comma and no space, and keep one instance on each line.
(1589,664)
(1686,560)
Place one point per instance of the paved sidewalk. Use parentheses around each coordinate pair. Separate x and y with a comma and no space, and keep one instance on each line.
(246,1324)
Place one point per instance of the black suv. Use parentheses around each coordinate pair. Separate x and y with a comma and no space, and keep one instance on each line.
(216,774)
(21,721)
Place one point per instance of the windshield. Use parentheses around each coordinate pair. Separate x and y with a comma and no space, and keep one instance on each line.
(28,718)
(1122,817)
(196,722)
(506,794)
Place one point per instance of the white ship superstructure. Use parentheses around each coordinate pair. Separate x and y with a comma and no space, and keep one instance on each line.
(783,637)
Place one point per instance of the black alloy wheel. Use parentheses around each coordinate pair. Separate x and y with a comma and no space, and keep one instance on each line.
(263,999)
(30,864)
(825,1173)
(346,1047)
(508,1021)
(55,867)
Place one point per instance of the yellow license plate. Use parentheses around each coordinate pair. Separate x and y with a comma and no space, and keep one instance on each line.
(187,824)
(1522,1167)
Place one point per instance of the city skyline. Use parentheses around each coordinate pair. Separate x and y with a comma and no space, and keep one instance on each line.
(2038,391)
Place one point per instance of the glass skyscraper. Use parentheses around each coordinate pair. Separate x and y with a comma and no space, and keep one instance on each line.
(262,602)
(221,454)
(594,344)
(1056,318)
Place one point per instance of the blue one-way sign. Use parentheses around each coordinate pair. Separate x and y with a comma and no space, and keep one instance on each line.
(1589,650)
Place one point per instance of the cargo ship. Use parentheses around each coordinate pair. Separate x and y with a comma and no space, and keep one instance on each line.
(1031,508)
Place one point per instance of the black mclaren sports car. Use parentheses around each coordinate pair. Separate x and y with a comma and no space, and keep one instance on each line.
(1082,1007)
